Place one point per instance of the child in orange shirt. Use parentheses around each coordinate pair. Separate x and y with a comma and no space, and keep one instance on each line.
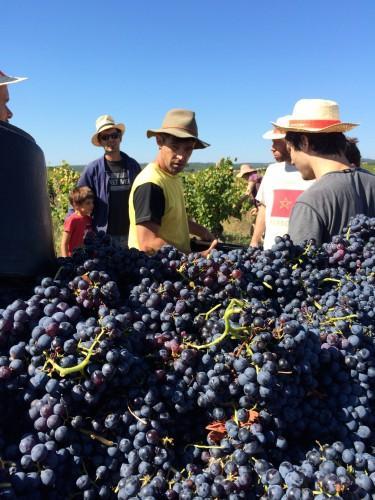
(79,223)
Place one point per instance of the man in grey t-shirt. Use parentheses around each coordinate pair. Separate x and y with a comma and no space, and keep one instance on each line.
(326,207)
(317,146)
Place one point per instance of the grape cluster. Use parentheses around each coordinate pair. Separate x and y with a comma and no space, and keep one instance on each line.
(246,374)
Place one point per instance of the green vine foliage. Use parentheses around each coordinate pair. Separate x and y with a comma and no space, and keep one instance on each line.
(61,180)
(214,194)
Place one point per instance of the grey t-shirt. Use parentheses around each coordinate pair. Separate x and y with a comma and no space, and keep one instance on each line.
(325,208)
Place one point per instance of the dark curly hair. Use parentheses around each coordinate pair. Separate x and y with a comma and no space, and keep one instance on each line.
(321,143)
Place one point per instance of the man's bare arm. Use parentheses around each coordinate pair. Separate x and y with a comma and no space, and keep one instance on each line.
(260,227)
(148,239)
(200,231)
(65,244)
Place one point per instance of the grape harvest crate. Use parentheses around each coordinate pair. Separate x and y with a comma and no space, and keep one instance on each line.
(248,374)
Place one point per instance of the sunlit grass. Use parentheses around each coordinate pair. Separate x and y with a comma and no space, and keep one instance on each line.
(239,231)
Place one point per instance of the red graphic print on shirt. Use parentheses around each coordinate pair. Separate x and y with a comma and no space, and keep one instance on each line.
(283,201)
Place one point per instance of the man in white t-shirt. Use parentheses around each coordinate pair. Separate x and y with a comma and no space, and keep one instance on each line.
(281,185)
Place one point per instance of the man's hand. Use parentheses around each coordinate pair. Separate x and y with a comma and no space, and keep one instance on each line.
(207,252)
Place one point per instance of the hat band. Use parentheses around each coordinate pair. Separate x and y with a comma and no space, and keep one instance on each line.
(313,123)
(105,125)
(181,128)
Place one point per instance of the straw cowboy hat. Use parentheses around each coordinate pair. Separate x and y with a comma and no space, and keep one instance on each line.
(180,123)
(316,115)
(245,169)
(276,133)
(104,122)
(6,80)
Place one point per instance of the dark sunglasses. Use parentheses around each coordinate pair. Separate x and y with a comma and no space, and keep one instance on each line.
(105,137)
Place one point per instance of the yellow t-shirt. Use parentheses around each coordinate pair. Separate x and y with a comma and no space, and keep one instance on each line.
(174,226)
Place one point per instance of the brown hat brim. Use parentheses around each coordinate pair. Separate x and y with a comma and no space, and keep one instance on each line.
(177,132)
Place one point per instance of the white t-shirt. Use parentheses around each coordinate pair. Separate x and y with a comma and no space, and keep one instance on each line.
(281,186)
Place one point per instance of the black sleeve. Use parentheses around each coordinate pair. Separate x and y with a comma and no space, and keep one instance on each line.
(149,203)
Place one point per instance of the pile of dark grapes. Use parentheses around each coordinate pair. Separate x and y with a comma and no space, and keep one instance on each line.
(248,374)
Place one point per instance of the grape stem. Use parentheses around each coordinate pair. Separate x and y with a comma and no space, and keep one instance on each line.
(76,368)
(136,416)
(333,320)
(207,314)
(101,439)
(235,306)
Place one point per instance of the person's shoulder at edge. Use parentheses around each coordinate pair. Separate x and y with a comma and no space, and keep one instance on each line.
(17,130)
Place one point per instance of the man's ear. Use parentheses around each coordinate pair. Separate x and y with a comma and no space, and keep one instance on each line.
(159,140)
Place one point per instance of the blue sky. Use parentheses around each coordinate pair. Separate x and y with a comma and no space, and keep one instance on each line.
(238,64)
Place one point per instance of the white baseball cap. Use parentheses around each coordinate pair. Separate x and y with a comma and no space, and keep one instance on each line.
(276,133)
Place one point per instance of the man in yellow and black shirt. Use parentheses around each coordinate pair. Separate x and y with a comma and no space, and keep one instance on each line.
(157,210)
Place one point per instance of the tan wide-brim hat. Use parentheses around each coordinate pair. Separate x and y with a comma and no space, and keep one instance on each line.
(245,169)
(105,122)
(180,123)
(276,133)
(316,116)
(6,80)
